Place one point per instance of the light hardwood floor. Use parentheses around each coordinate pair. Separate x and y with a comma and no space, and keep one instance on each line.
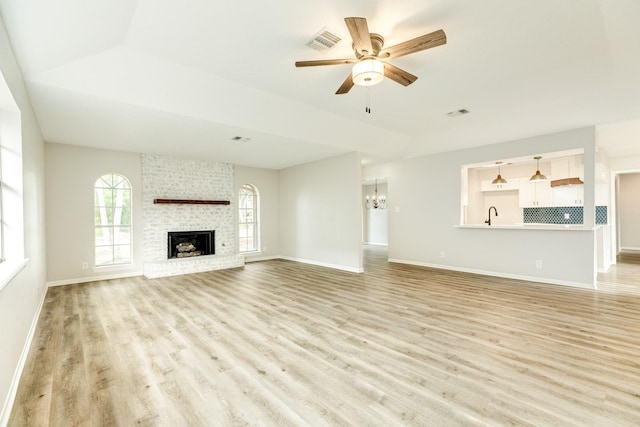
(285,344)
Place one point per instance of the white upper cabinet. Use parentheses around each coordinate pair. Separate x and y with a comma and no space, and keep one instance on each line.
(534,194)
(486,185)
(561,170)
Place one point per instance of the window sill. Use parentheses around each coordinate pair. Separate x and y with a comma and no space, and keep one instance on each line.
(115,267)
(10,269)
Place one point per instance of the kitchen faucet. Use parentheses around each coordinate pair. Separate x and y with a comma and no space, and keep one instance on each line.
(495,210)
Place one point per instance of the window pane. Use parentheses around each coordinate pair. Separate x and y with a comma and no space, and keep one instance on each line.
(243,232)
(250,244)
(122,216)
(121,235)
(104,236)
(120,197)
(122,254)
(104,255)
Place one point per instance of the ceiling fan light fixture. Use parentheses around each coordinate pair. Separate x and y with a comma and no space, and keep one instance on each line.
(367,72)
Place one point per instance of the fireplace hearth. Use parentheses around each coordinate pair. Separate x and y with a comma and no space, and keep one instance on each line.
(185,244)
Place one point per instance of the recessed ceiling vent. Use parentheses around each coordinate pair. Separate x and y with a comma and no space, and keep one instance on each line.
(323,41)
(457,113)
(241,139)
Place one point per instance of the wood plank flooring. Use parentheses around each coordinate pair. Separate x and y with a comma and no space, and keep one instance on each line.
(285,344)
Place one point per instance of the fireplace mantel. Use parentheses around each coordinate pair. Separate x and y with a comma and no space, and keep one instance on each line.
(191,202)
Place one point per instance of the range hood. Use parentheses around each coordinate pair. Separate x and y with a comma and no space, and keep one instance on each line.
(566,181)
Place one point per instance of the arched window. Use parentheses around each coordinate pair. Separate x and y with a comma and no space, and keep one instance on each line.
(248,216)
(112,216)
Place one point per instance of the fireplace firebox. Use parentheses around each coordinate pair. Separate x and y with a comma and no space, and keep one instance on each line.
(184,244)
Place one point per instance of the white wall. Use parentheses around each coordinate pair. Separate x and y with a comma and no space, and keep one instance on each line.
(266,181)
(20,299)
(629,211)
(320,212)
(375,221)
(71,174)
(426,207)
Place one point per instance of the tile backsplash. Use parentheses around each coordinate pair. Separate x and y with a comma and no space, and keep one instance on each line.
(558,215)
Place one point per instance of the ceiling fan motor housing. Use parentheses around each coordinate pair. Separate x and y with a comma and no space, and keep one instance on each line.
(377,41)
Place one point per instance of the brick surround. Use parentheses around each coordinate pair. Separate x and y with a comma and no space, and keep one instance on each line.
(171,178)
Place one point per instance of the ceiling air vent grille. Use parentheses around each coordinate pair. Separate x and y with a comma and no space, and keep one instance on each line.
(323,40)
(457,113)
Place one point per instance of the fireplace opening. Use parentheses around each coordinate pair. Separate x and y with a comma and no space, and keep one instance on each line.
(184,244)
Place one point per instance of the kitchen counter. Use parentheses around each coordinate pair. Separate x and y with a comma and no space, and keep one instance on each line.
(532,226)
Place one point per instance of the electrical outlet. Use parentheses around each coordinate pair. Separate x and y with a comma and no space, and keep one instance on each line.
(539,264)
(567,216)
(85,265)
(441,254)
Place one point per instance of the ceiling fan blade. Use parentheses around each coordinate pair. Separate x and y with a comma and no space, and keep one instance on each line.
(427,41)
(346,85)
(398,75)
(359,31)
(324,62)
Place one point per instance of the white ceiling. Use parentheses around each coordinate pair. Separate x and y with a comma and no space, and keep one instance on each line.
(184,77)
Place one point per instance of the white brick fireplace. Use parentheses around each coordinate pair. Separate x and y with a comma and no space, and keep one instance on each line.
(171,178)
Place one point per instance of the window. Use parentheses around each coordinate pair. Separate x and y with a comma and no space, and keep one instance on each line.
(12,229)
(248,219)
(112,214)
(1,217)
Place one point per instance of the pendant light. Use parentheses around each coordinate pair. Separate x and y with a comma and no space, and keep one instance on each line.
(499,179)
(538,176)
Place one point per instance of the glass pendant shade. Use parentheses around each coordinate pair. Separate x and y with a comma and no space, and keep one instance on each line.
(367,72)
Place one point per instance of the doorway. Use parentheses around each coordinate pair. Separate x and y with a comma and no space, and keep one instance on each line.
(375,216)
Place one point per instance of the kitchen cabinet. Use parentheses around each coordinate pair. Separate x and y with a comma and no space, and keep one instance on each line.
(486,185)
(568,195)
(561,171)
(567,167)
(535,194)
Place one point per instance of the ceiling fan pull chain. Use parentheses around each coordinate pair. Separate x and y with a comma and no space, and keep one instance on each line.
(367,101)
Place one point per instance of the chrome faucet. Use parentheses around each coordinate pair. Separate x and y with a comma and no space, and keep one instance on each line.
(495,210)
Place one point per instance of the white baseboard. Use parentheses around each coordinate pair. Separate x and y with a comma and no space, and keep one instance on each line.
(498,274)
(629,250)
(261,258)
(93,279)
(375,244)
(324,264)
(15,381)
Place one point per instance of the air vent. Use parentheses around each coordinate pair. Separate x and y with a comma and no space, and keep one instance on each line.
(323,40)
(457,113)
(241,139)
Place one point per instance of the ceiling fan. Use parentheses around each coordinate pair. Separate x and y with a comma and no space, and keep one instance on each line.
(369,68)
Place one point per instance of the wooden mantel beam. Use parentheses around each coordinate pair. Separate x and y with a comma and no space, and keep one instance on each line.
(191,202)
